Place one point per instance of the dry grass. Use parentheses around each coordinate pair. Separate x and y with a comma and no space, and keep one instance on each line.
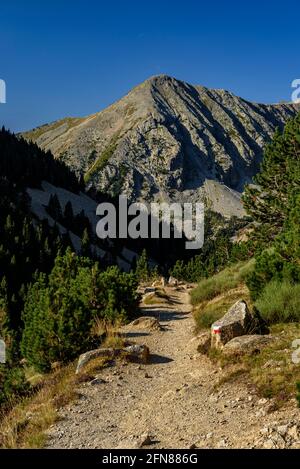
(234,373)
(272,371)
(25,425)
(110,332)
(91,369)
(228,279)
(207,312)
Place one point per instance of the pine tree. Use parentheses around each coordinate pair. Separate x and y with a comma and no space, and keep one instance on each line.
(54,208)
(275,206)
(86,244)
(68,215)
(268,202)
(57,313)
(142,269)
(60,308)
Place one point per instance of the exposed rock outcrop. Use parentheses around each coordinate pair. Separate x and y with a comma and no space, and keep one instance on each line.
(238,321)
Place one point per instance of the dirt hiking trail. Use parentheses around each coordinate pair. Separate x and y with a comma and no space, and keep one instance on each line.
(172,402)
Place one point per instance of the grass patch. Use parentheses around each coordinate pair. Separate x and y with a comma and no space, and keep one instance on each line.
(272,371)
(280,302)
(25,425)
(39,131)
(235,373)
(108,332)
(227,279)
(103,159)
(207,312)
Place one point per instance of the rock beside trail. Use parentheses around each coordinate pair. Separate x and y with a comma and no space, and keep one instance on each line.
(173,282)
(159,283)
(132,352)
(137,352)
(145,323)
(134,442)
(247,344)
(282,436)
(238,321)
(86,357)
(201,343)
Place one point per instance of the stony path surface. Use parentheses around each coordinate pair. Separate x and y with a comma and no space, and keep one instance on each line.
(173,399)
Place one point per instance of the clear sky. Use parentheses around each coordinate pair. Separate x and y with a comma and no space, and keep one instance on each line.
(73,58)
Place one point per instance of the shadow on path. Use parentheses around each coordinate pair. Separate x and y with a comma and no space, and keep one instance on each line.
(159,359)
(164,314)
(135,334)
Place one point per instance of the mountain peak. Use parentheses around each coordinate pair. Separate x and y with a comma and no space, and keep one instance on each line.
(167,139)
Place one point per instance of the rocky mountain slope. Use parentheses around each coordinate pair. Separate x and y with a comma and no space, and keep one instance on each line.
(168,140)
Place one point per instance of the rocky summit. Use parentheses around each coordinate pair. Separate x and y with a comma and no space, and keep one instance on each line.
(169,141)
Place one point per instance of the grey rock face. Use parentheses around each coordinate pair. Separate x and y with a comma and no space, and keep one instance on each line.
(168,140)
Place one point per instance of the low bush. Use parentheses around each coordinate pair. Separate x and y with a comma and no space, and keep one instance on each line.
(60,309)
(227,279)
(280,302)
(12,384)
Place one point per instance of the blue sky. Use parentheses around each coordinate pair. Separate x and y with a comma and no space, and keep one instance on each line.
(73,58)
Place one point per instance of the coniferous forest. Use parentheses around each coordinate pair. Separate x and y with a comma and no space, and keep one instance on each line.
(38,266)
(47,290)
(51,297)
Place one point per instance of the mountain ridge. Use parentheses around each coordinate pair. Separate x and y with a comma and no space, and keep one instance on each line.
(169,140)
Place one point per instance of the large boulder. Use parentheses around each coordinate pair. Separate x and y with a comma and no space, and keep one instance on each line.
(247,344)
(236,322)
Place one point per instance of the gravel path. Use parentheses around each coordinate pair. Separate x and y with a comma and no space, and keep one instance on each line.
(173,399)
